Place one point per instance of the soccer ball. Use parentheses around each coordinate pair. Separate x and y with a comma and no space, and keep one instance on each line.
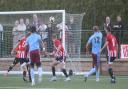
(51,19)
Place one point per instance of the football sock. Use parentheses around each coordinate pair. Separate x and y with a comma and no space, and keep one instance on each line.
(93,70)
(111,73)
(40,71)
(24,73)
(65,72)
(10,68)
(53,71)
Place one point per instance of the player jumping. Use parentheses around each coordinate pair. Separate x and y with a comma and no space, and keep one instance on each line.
(112,48)
(96,41)
(20,57)
(60,58)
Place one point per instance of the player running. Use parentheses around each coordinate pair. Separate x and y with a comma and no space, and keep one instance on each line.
(96,41)
(60,58)
(34,42)
(20,57)
(112,48)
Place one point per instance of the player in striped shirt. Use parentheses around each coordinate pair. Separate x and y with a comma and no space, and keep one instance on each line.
(60,58)
(20,53)
(112,48)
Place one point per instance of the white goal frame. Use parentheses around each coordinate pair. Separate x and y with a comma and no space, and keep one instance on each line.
(38,12)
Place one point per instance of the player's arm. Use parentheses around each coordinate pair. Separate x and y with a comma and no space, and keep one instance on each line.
(88,44)
(87,47)
(104,46)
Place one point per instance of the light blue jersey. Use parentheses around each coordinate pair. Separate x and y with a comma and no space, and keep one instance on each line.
(33,41)
(96,41)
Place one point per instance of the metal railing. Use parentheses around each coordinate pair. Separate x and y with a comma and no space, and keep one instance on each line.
(7,38)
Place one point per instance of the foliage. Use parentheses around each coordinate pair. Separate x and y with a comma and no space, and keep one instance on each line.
(96,10)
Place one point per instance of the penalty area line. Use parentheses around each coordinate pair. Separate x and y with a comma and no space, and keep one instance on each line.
(26,88)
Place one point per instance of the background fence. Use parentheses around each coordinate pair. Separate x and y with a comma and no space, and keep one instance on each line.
(6,41)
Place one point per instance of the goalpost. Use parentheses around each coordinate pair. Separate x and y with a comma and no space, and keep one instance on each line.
(70,37)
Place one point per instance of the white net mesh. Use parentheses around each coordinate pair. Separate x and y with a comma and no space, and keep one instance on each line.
(15,25)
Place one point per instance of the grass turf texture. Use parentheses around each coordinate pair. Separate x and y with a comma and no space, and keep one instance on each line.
(77,82)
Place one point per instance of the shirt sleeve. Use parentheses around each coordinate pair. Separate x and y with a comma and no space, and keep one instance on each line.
(90,39)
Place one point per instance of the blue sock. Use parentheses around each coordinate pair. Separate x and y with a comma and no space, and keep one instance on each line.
(93,70)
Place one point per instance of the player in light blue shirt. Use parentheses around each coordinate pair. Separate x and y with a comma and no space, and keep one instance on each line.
(95,41)
(33,43)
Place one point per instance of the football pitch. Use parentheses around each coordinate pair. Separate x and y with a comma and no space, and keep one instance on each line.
(77,82)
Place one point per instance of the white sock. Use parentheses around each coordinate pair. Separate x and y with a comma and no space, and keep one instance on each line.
(97,74)
(32,74)
(93,70)
(40,71)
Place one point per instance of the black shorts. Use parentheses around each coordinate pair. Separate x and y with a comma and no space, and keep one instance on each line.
(61,59)
(111,60)
(20,60)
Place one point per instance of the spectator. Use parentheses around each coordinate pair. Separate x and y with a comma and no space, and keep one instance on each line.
(15,28)
(51,30)
(36,21)
(107,22)
(15,33)
(44,34)
(118,27)
(60,28)
(1,38)
(1,27)
(27,23)
(21,26)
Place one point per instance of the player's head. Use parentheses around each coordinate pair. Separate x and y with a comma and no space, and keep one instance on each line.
(32,29)
(95,28)
(54,37)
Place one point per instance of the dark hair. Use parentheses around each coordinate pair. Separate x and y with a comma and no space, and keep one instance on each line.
(109,29)
(33,29)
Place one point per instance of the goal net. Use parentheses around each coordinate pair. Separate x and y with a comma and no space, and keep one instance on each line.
(67,27)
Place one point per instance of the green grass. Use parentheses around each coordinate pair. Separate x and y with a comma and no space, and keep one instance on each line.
(77,82)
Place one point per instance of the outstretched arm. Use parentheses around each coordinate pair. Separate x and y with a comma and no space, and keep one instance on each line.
(105,45)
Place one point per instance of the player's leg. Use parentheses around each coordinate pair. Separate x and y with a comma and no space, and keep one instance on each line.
(16,61)
(38,64)
(93,69)
(23,66)
(53,64)
(32,73)
(97,67)
(28,69)
(63,69)
(110,69)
